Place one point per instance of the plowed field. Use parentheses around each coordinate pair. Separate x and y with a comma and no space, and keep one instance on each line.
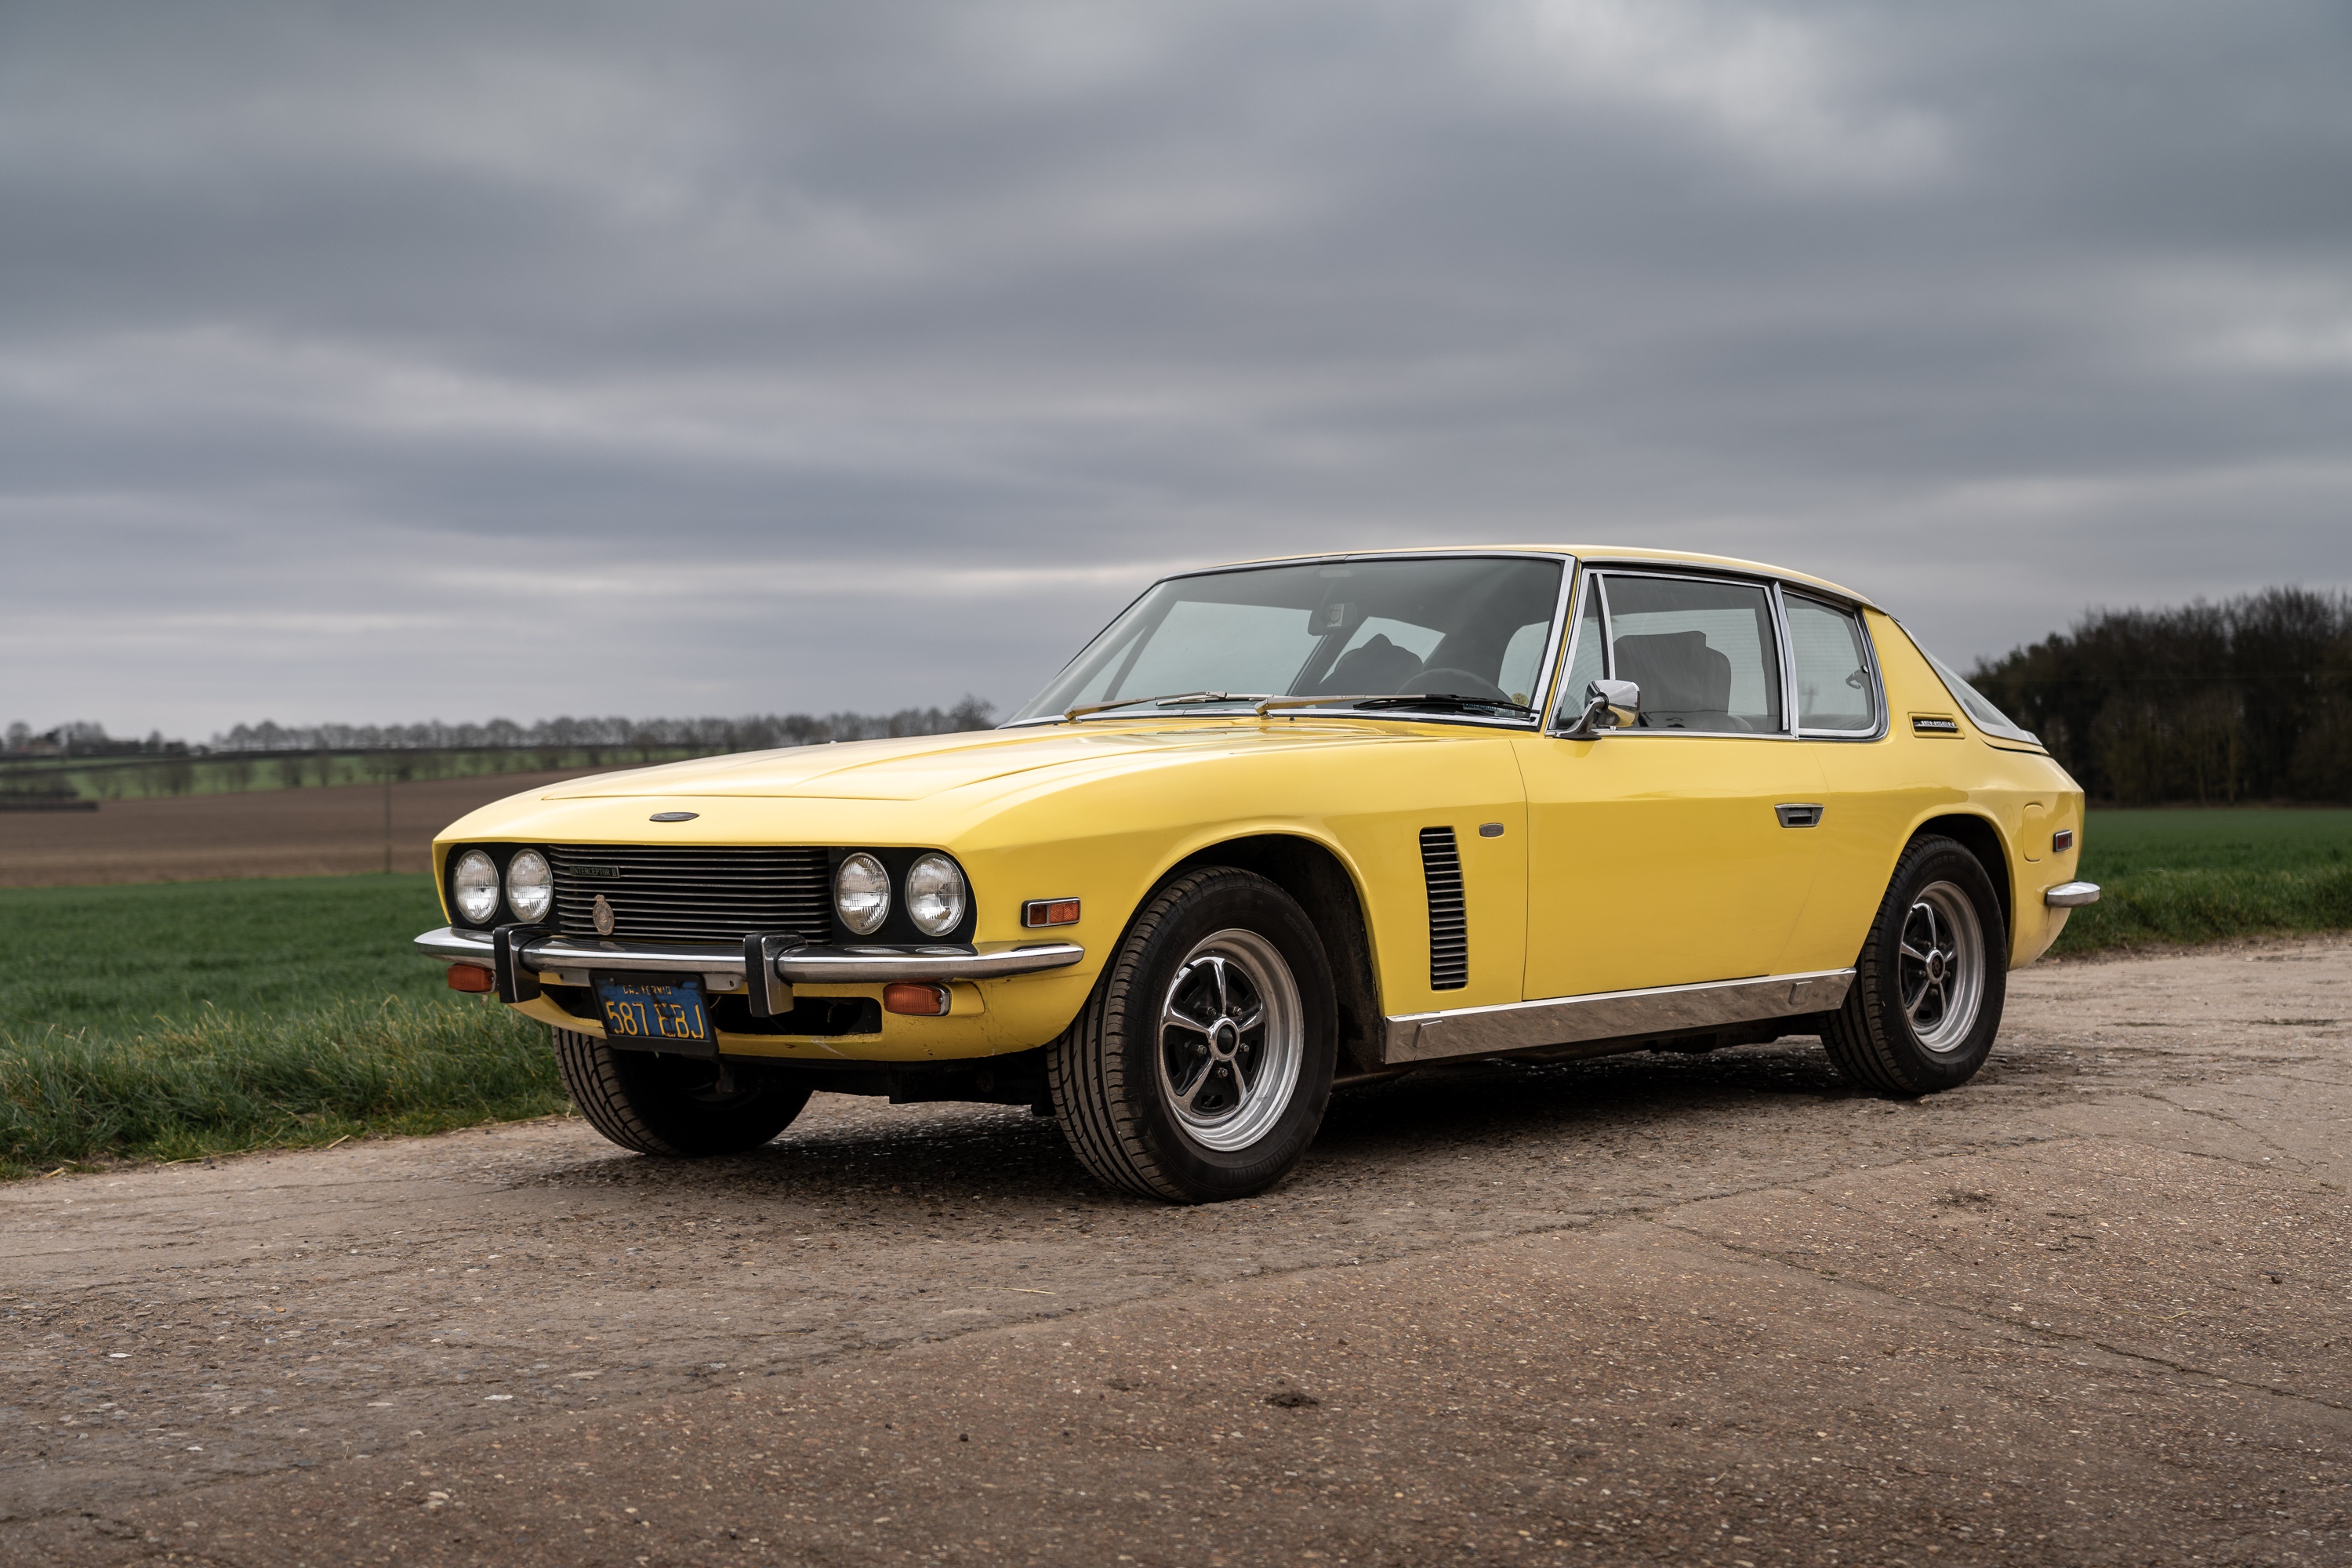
(259,833)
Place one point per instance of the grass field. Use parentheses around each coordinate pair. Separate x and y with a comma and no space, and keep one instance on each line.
(2189,876)
(176,1019)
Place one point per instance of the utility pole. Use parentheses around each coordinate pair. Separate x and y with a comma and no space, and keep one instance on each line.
(385,763)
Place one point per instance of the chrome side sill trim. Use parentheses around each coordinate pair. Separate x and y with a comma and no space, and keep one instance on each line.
(2072,895)
(1608,1015)
(809,964)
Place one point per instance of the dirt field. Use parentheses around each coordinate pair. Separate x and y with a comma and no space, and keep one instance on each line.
(255,833)
(2091,1310)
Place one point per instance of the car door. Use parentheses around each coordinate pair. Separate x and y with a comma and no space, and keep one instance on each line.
(1658,853)
(1867,802)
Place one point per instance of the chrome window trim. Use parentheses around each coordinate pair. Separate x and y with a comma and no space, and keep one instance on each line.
(1771,588)
(1749,572)
(1870,659)
(1538,700)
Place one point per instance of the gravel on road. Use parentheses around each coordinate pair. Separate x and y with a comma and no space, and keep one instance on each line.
(2096,1307)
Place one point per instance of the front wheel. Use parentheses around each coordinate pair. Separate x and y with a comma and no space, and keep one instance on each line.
(683,1107)
(1200,1069)
(1933,974)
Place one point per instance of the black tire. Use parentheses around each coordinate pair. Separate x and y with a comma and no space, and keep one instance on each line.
(1909,1027)
(656,1103)
(1144,1100)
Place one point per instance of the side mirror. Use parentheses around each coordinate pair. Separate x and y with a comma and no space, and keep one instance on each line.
(1608,704)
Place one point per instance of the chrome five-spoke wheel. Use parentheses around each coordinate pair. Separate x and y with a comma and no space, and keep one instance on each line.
(1200,1065)
(1231,1039)
(1942,966)
(1931,979)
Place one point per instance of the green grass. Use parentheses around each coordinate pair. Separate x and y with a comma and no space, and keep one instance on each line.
(2194,876)
(178,1019)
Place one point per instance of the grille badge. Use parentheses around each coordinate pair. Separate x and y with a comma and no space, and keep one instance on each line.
(603,916)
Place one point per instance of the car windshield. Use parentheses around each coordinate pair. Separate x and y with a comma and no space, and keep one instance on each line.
(1470,628)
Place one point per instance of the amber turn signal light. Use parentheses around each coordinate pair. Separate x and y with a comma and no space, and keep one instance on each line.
(470,977)
(1050,913)
(914,999)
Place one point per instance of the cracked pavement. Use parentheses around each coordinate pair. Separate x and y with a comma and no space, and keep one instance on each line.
(2093,1308)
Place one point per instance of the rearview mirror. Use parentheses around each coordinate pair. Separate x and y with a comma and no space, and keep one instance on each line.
(1608,705)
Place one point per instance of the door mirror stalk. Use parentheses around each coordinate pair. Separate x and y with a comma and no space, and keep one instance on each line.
(1608,705)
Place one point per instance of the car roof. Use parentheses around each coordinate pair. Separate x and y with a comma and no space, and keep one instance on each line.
(1590,554)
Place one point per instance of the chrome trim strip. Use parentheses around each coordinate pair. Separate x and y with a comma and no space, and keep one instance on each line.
(806,964)
(2072,895)
(1608,1015)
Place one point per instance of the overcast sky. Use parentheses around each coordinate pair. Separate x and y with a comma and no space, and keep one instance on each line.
(381,363)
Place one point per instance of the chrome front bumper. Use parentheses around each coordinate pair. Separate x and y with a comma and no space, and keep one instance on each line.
(722,962)
(2072,895)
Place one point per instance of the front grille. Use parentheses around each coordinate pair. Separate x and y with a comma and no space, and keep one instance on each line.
(692,895)
(1449,926)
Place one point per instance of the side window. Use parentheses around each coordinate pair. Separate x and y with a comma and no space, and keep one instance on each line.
(1833,685)
(1703,653)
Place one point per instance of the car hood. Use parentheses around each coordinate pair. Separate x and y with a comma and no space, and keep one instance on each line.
(921,766)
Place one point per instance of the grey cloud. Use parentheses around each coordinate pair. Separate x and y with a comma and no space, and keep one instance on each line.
(373,363)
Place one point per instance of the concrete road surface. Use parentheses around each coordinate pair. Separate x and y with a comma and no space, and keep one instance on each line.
(2095,1307)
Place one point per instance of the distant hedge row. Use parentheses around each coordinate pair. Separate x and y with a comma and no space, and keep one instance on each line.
(753,733)
(2249,700)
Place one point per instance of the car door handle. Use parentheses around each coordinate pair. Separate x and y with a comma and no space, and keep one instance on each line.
(1799,815)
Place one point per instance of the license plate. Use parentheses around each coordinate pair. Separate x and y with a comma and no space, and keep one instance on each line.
(649,1010)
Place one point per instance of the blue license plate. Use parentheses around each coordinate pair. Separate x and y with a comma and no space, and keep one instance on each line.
(649,1010)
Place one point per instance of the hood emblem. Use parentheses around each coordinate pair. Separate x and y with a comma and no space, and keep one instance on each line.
(673,817)
(603,916)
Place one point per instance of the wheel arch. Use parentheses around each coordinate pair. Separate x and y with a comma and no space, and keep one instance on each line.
(1325,886)
(1981,838)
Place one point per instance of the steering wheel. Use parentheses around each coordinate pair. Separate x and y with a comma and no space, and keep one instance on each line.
(1452,683)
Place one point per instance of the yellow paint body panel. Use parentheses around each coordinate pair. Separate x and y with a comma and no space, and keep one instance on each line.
(1630,860)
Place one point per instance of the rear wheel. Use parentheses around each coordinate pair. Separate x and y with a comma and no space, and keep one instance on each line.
(1933,974)
(1201,1067)
(682,1107)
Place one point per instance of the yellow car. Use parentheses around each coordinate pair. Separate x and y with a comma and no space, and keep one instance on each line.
(1292,823)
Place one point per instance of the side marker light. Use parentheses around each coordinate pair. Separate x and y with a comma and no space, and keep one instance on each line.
(2063,840)
(915,999)
(470,977)
(1050,913)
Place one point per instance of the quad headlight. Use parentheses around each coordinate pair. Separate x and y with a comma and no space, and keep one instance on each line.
(530,886)
(474,887)
(936,895)
(861,894)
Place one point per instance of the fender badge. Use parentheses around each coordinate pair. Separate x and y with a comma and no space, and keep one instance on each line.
(673,817)
(604,915)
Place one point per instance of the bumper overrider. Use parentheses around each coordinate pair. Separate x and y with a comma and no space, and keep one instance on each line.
(517,956)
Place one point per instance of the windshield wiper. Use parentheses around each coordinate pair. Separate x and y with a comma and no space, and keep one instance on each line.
(1427,700)
(1445,699)
(1173,700)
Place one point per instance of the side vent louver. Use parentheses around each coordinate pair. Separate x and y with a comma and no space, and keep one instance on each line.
(1449,928)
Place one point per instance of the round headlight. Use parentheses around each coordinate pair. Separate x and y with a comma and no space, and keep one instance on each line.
(861,894)
(474,887)
(530,886)
(935,895)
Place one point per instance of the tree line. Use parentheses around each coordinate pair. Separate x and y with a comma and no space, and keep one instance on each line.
(753,733)
(2248,700)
